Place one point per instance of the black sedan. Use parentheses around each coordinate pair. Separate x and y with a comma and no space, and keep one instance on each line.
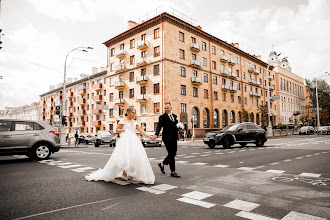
(243,134)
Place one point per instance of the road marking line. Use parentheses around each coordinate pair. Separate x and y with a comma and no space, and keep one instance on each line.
(199,163)
(316,154)
(252,149)
(197,195)
(189,156)
(70,166)
(120,182)
(218,153)
(231,152)
(242,150)
(46,161)
(275,171)
(298,158)
(109,207)
(53,163)
(197,202)
(205,155)
(274,163)
(308,155)
(220,165)
(242,205)
(181,155)
(260,167)
(164,187)
(310,174)
(195,153)
(288,160)
(246,168)
(252,216)
(297,215)
(181,161)
(82,169)
(150,190)
(151,158)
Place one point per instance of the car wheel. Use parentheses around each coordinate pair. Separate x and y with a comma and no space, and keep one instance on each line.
(243,144)
(41,152)
(211,144)
(160,145)
(260,142)
(226,143)
(96,145)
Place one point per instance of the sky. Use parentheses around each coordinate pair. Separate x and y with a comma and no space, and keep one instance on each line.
(37,35)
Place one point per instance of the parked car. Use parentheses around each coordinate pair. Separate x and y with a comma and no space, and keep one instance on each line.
(105,137)
(148,142)
(323,130)
(243,134)
(36,139)
(306,130)
(85,138)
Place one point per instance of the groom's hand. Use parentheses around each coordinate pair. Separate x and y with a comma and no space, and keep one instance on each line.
(153,137)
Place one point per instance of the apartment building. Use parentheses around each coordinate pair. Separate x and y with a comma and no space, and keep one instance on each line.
(26,112)
(209,82)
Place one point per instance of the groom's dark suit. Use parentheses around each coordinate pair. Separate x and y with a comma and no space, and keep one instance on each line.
(170,137)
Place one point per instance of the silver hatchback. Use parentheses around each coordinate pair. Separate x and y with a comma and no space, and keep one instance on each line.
(36,139)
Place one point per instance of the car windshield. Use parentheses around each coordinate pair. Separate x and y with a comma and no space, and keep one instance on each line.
(231,127)
(104,133)
(304,128)
(323,128)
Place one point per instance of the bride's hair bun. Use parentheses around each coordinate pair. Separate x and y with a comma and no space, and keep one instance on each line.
(129,109)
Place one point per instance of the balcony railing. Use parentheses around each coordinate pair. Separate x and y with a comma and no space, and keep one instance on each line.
(271,88)
(252,81)
(251,69)
(196,80)
(142,45)
(231,62)
(81,112)
(194,47)
(69,94)
(258,83)
(120,85)
(232,75)
(120,68)
(270,78)
(256,71)
(82,101)
(81,91)
(141,62)
(141,98)
(97,98)
(70,104)
(225,87)
(224,59)
(81,123)
(232,89)
(119,101)
(224,73)
(96,123)
(120,53)
(96,111)
(258,95)
(97,86)
(195,64)
(253,94)
(141,79)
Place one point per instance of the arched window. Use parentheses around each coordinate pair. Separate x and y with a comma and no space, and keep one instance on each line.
(195,117)
(216,118)
(224,118)
(206,118)
(232,117)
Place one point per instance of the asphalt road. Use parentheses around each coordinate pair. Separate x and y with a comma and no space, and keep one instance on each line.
(288,178)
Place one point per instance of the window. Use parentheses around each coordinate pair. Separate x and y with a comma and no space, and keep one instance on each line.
(181,36)
(204,61)
(193,40)
(131,93)
(143,90)
(232,98)
(132,60)
(193,56)
(156,69)
(215,80)
(206,93)
(203,46)
(182,54)
(243,62)
(112,52)
(244,76)
(111,97)
(121,94)
(245,88)
(111,127)
(143,37)
(132,43)
(195,92)
(21,126)
(144,126)
(223,81)
(143,109)
(215,95)
(156,107)
(194,73)
(131,76)
(111,112)
(237,73)
(238,86)
(245,100)
(112,67)
(143,54)
(182,71)
(120,112)
(224,98)
(157,51)
(251,101)
(121,46)
(183,90)
(213,50)
(237,60)
(206,77)
(111,82)
(183,108)
(239,99)
(214,65)
(156,88)
(156,33)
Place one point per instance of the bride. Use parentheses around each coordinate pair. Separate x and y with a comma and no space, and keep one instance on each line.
(129,159)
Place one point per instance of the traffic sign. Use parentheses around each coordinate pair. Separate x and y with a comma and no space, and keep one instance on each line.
(273,98)
(122,108)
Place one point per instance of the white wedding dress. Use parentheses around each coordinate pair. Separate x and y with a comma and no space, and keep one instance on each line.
(129,155)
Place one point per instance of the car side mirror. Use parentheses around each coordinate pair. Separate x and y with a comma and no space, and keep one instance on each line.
(240,129)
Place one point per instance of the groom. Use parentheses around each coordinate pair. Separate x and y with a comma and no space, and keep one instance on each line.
(168,122)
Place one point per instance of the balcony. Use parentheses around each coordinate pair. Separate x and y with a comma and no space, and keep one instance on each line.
(81,123)
(43,109)
(97,98)
(141,79)
(296,113)
(120,54)
(121,68)
(82,101)
(81,112)
(70,124)
(232,89)
(195,64)
(225,87)
(43,117)
(224,73)
(119,101)
(69,94)
(70,114)
(141,62)
(196,80)
(96,111)
(195,47)
(253,94)
(97,86)
(120,85)
(271,88)
(142,45)
(96,123)
(258,84)
(252,82)
(251,70)
(257,72)
(141,98)
(231,62)
(70,104)
(270,78)
(52,99)
(223,59)
(258,95)
(81,91)
(232,75)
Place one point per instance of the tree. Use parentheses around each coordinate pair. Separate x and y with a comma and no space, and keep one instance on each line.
(245,115)
(263,110)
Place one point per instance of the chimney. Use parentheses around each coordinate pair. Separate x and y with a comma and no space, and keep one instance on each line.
(94,70)
(199,27)
(259,57)
(236,45)
(131,24)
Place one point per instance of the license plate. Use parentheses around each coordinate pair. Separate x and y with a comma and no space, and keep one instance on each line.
(152,142)
(206,139)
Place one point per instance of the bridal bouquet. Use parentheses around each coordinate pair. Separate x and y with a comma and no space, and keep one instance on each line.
(180,125)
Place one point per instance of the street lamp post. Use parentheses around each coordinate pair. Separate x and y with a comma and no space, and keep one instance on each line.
(62,129)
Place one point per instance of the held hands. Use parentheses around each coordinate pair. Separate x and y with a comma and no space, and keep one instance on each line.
(153,137)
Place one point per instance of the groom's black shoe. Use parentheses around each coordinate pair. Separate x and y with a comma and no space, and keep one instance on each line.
(175,175)
(161,168)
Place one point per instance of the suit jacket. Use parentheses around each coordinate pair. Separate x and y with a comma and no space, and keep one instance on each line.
(170,131)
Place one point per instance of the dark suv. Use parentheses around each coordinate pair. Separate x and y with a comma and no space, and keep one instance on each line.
(243,134)
(36,139)
(105,137)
